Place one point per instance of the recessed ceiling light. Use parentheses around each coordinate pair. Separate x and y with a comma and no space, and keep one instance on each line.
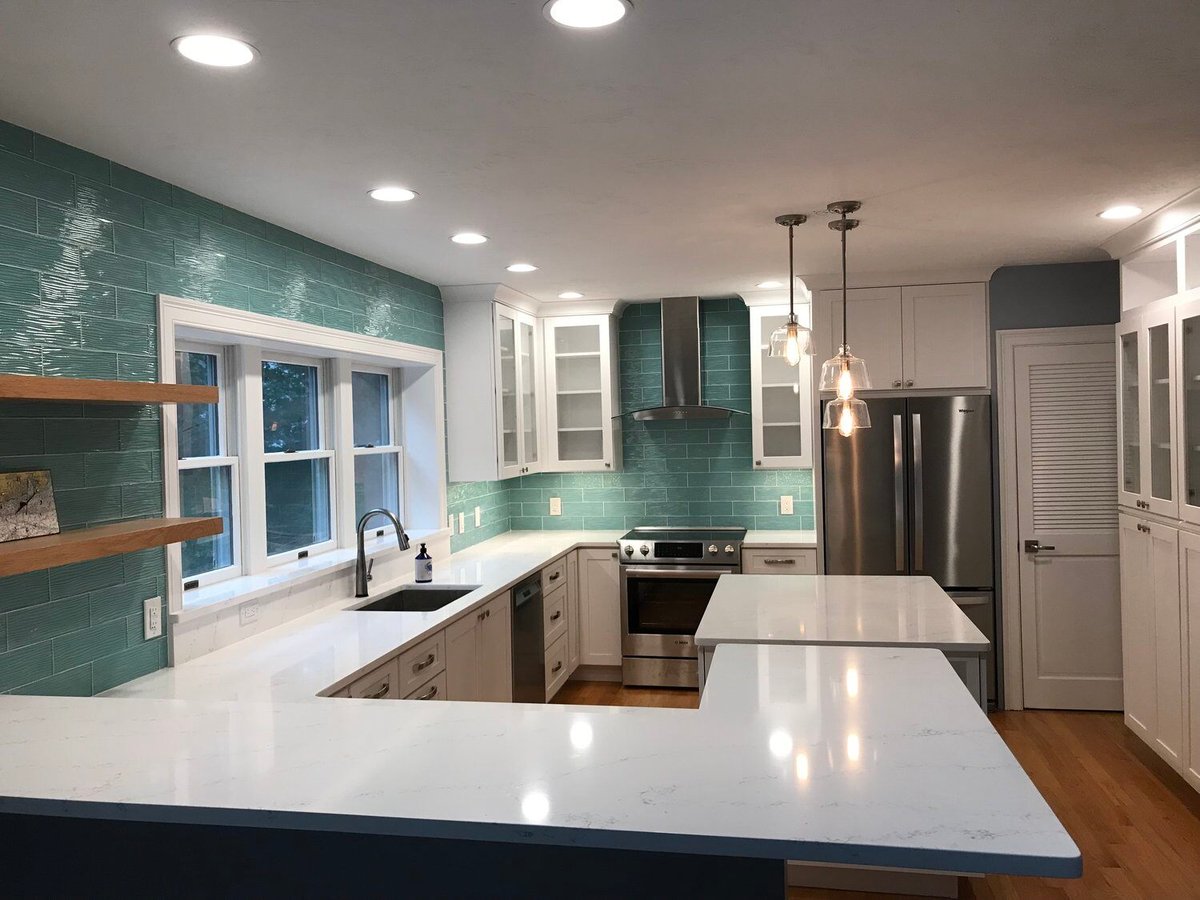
(586,13)
(469,237)
(570,295)
(1124,211)
(770,285)
(214,50)
(392,194)
(522,267)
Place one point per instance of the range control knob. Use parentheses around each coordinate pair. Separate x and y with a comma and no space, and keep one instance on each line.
(729,549)
(645,550)
(629,549)
(712,548)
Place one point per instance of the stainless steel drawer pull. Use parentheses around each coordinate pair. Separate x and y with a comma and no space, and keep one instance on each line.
(554,577)
(556,616)
(429,694)
(381,693)
(429,661)
(557,666)
(779,562)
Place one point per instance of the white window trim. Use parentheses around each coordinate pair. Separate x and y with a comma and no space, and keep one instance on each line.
(420,420)
(227,458)
(324,443)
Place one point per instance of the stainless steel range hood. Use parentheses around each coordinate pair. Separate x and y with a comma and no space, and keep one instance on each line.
(681,366)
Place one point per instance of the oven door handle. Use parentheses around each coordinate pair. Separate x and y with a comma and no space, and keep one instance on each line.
(648,572)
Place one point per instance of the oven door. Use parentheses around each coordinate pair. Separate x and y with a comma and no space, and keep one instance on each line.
(661,607)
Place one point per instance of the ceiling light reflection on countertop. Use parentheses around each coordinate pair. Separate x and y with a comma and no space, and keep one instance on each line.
(392,194)
(570,295)
(214,50)
(469,237)
(780,744)
(522,267)
(581,735)
(1121,211)
(535,807)
(586,13)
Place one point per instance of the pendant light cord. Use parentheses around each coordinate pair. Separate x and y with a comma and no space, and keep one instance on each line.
(845,305)
(791,274)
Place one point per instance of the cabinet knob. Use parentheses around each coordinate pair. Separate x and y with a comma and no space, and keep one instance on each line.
(896,383)
(908,383)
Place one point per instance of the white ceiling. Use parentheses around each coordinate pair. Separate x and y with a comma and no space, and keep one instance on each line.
(650,158)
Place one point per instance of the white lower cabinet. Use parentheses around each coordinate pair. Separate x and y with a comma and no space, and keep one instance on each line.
(574,630)
(599,608)
(1189,578)
(1152,622)
(382,683)
(479,653)
(779,561)
(433,689)
(556,666)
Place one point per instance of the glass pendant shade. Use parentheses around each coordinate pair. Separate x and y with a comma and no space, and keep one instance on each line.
(845,373)
(846,416)
(791,341)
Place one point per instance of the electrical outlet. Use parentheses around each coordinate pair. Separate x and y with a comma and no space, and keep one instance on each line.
(556,506)
(478,516)
(450,522)
(248,613)
(785,505)
(462,523)
(152,618)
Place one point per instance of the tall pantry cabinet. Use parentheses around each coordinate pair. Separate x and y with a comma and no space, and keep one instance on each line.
(1158,494)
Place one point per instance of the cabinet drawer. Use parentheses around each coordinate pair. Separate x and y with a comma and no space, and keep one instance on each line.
(554,574)
(554,613)
(433,689)
(556,666)
(421,662)
(801,561)
(382,683)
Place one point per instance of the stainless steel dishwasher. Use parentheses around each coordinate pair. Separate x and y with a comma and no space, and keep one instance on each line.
(529,642)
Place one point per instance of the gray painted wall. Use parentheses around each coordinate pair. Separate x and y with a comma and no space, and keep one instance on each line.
(1047,296)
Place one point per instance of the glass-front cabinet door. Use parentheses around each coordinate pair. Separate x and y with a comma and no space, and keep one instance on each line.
(780,396)
(1160,474)
(506,389)
(1188,403)
(1129,402)
(527,374)
(580,394)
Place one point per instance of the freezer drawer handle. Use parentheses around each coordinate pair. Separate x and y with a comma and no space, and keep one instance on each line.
(898,486)
(779,562)
(1035,547)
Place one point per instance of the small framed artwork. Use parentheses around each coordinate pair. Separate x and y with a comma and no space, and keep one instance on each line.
(27,505)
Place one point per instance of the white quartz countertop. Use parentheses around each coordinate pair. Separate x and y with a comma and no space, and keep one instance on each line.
(864,610)
(856,755)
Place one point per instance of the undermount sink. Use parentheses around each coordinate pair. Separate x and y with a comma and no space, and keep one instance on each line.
(415,598)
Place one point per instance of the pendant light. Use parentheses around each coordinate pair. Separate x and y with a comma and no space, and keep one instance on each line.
(845,373)
(791,340)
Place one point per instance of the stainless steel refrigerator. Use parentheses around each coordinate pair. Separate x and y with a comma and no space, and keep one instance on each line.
(912,495)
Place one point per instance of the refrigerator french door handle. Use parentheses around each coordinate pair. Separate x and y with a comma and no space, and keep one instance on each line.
(898,474)
(918,497)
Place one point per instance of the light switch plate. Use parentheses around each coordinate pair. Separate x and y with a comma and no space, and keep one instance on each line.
(248,613)
(450,522)
(556,506)
(478,516)
(462,523)
(785,505)
(152,618)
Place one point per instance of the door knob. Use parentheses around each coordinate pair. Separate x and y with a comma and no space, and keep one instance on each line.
(1035,547)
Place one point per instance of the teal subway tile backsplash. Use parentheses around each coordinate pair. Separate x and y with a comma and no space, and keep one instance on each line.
(85,244)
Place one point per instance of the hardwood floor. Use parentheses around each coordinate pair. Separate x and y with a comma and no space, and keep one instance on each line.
(1135,820)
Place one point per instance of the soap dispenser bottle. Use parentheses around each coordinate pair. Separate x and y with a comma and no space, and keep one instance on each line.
(424,572)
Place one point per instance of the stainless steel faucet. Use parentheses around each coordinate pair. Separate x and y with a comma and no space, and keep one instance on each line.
(362,572)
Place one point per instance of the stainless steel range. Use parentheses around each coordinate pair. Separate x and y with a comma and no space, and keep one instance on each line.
(667,578)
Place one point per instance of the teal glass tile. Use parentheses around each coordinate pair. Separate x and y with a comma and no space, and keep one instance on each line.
(196,286)
(145,564)
(109,202)
(120,599)
(87,644)
(79,364)
(134,306)
(143,185)
(194,203)
(171,222)
(112,670)
(26,176)
(46,620)
(65,288)
(66,471)
(40,326)
(64,156)
(20,667)
(15,139)
(336,318)
(137,368)
(31,251)
(141,500)
(19,286)
(121,271)
(18,211)
(88,506)
(20,591)
(140,434)
(117,336)
(81,435)
(215,264)
(75,682)
(142,244)
(119,468)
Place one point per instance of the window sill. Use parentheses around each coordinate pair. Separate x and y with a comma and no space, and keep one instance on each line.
(211,599)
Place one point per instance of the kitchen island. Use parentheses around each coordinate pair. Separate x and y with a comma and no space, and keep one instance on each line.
(850,756)
(844,610)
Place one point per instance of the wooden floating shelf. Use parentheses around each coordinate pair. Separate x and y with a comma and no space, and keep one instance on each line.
(35,554)
(38,387)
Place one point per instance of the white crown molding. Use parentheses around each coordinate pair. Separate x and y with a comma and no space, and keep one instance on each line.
(776,296)
(825,282)
(1175,216)
(502,293)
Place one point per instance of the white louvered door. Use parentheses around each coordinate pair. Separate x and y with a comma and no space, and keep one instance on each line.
(1066,432)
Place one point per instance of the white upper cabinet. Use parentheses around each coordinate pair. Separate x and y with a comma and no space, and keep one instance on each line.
(1187,406)
(1148,476)
(581,394)
(494,396)
(917,337)
(780,396)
